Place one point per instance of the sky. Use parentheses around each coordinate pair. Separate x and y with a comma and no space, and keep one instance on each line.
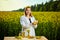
(9,5)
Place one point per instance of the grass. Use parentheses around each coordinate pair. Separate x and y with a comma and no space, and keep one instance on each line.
(48,23)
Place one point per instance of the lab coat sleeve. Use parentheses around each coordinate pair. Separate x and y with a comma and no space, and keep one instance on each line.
(24,25)
(35,26)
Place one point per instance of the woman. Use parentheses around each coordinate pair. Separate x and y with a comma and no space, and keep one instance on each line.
(28,22)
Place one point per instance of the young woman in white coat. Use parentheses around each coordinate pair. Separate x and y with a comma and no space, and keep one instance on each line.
(28,22)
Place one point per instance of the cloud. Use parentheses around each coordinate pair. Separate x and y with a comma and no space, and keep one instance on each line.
(9,5)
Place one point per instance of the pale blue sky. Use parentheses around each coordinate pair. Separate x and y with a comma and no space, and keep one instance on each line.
(36,1)
(9,5)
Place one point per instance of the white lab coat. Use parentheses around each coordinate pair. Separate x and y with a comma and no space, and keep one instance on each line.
(26,25)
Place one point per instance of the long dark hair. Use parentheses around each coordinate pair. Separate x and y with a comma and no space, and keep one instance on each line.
(26,9)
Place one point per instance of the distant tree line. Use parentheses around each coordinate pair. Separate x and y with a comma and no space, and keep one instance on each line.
(48,6)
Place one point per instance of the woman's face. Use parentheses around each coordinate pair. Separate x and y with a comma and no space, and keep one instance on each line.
(28,11)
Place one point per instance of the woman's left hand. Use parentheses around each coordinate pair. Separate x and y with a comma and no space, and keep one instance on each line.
(35,22)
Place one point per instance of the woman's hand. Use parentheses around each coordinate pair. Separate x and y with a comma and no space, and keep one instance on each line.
(35,22)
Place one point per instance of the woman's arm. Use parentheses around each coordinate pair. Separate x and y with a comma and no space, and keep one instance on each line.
(34,25)
(22,22)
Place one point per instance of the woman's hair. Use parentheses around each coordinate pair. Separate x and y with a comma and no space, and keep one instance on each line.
(26,9)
